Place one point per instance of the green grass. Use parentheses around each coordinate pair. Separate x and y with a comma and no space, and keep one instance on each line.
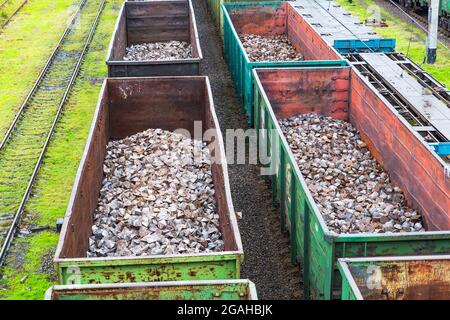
(9,8)
(25,45)
(55,180)
(403,31)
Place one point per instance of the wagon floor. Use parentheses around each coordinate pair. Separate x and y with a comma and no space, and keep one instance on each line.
(266,249)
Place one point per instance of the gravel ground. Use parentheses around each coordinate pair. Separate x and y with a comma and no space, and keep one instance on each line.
(266,248)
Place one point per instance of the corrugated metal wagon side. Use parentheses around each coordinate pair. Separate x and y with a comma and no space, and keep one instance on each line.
(396,278)
(127,106)
(154,21)
(269,18)
(169,290)
(280,93)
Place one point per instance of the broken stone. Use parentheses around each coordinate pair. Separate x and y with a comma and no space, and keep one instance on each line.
(364,199)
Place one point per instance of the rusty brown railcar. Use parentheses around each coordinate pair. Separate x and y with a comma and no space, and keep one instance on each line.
(127,106)
(154,21)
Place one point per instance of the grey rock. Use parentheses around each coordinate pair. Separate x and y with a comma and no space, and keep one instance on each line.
(155,199)
(355,182)
(170,50)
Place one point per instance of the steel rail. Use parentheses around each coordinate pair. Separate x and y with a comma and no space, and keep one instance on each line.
(13,14)
(17,217)
(4,3)
(40,77)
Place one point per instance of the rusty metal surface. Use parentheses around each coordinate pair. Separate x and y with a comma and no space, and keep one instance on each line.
(401,278)
(154,21)
(173,290)
(324,16)
(402,152)
(427,105)
(127,106)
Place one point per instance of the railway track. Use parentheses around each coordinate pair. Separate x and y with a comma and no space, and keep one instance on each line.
(420,19)
(23,146)
(9,9)
(424,21)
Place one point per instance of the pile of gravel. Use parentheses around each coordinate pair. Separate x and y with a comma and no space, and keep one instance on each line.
(155,199)
(353,192)
(170,50)
(269,48)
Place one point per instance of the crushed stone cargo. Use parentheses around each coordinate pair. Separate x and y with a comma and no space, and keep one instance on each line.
(158,51)
(157,197)
(269,48)
(353,192)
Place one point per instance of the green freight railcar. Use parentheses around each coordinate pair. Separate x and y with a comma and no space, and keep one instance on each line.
(341,93)
(269,18)
(396,278)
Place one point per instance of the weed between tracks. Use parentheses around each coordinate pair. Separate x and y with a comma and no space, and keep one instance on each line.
(25,45)
(8,9)
(55,179)
(398,28)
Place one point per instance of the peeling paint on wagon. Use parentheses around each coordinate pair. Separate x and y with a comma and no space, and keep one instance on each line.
(176,102)
(396,278)
(172,290)
(154,21)
(311,241)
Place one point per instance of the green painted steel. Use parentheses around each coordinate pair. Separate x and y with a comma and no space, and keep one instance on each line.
(173,290)
(347,284)
(241,67)
(311,241)
(212,266)
(419,277)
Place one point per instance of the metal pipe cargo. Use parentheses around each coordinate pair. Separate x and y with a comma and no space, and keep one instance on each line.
(154,21)
(127,106)
(396,278)
(269,18)
(168,290)
(339,92)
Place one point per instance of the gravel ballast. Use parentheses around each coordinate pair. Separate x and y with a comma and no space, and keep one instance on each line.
(266,249)
(269,48)
(156,198)
(352,191)
(157,51)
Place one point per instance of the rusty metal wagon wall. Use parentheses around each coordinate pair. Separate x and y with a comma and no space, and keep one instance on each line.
(396,278)
(154,21)
(169,290)
(127,106)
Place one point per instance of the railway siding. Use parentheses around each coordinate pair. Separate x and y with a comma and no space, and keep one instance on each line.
(31,256)
(25,46)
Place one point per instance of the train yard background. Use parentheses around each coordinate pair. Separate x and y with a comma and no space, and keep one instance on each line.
(26,42)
